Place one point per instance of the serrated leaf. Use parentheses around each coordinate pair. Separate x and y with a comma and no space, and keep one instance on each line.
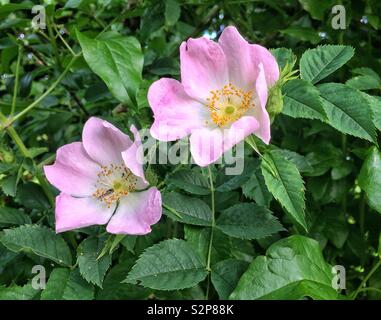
(318,63)
(293,268)
(286,185)
(187,209)
(301,100)
(9,185)
(14,292)
(66,284)
(169,265)
(191,181)
(225,275)
(11,216)
(370,178)
(375,105)
(90,267)
(114,289)
(248,221)
(348,111)
(255,188)
(39,240)
(118,61)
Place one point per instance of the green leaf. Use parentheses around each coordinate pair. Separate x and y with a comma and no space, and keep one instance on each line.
(303,34)
(114,289)
(191,181)
(11,216)
(284,56)
(301,100)
(91,268)
(186,209)
(118,61)
(370,178)
(367,79)
(293,268)
(286,185)
(9,185)
(375,105)
(225,276)
(297,159)
(172,12)
(318,63)
(248,221)
(39,240)
(348,111)
(15,292)
(169,265)
(66,284)
(255,188)
(317,9)
(31,196)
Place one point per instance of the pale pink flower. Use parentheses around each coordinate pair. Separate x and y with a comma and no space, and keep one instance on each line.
(101,180)
(221,98)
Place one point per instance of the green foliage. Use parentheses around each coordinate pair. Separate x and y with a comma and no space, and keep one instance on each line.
(169,265)
(248,221)
(292,269)
(316,64)
(118,61)
(66,284)
(39,240)
(92,268)
(285,183)
(305,202)
(370,178)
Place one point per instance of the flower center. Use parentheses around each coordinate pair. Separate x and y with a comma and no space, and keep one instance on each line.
(229,104)
(114,182)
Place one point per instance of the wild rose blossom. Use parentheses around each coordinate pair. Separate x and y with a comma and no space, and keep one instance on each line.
(101,180)
(221,98)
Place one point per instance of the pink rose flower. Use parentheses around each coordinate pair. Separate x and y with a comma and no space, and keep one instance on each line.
(221,98)
(101,180)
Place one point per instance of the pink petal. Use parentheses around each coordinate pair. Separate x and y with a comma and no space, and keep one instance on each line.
(73,172)
(175,113)
(104,142)
(136,213)
(243,70)
(134,157)
(243,60)
(208,145)
(74,213)
(270,66)
(203,67)
(260,112)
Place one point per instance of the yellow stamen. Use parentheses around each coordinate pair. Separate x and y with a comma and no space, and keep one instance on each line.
(229,104)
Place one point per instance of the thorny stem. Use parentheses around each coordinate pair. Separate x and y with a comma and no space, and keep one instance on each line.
(208,267)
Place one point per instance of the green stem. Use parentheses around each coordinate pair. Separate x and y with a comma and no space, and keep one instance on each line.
(208,262)
(371,289)
(16,85)
(53,42)
(25,152)
(362,215)
(63,40)
(365,280)
(47,92)
(15,137)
